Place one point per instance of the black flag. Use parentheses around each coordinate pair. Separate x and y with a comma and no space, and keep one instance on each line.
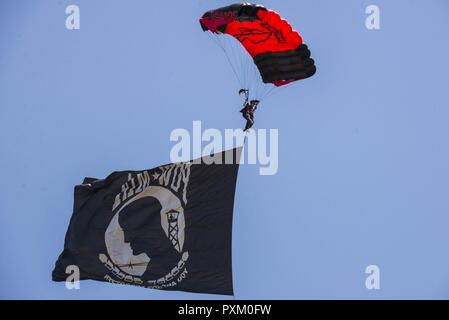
(165,228)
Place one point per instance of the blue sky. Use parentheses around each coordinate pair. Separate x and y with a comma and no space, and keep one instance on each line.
(363,145)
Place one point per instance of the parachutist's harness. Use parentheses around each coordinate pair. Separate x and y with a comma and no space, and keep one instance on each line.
(249,108)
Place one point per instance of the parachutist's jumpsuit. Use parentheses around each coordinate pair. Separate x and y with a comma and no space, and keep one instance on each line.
(248,112)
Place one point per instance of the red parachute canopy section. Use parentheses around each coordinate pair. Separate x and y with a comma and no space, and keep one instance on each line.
(277,50)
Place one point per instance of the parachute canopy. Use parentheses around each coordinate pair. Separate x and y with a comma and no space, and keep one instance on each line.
(276,49)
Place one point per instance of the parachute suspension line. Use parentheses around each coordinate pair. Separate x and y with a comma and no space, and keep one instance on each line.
(243,67)
(248,69)
(258,82)
(233,49)
(241,63)
(243,59)
(233,66)
(268,92)
(237,58)
(245,63)
(222,47)
(279,89)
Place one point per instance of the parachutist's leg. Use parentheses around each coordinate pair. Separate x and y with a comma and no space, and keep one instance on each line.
(248,115)
(249,124)
(251,109)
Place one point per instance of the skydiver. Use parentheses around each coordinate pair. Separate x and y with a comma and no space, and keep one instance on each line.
(249,108)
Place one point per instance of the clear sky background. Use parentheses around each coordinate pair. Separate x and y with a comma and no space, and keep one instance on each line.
(364,145)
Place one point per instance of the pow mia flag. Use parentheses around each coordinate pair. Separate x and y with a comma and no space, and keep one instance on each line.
(165,228)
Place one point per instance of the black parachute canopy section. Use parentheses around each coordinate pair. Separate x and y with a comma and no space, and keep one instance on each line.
(164,228)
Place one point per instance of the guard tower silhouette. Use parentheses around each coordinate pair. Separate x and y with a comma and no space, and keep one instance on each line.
(173,228)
